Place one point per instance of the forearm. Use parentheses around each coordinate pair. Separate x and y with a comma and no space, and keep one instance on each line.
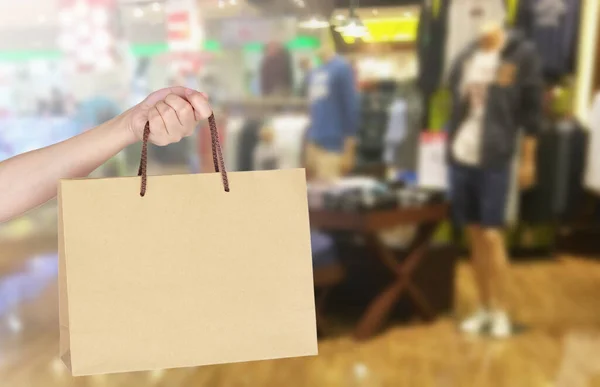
(31,179)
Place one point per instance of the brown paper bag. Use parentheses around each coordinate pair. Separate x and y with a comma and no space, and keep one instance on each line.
(187,274)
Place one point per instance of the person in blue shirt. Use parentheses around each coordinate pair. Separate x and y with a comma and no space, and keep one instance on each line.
(334,114)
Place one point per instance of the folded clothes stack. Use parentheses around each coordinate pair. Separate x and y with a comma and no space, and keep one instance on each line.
(365,194)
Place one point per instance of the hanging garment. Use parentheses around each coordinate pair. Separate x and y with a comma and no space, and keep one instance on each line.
(592,168)
(553,25)
(289,132)
(230,152)
(439,110)
(572,139)
(431,42)
(513,199)
(277,72)
(401,141)
(560,160)
(266,157)
(466,18)
(396,130)
(375,104)
(409,148)
(537,203)
(249,138)
(563,130)
(512,10)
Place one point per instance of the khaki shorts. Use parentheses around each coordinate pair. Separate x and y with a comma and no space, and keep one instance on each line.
(322,164)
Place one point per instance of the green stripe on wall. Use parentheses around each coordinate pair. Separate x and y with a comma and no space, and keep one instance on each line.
(149,49)
(26,55)
(299,43)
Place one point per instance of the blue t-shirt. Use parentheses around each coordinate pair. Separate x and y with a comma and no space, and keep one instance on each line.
(334,104)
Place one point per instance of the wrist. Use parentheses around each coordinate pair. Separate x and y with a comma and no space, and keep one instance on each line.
(125,126)
(120,130)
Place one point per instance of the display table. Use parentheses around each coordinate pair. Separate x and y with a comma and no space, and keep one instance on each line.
(369,224)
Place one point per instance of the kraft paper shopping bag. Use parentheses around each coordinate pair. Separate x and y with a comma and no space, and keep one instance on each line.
(190,270)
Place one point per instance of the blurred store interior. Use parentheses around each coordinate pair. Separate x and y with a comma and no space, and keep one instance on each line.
(393,279)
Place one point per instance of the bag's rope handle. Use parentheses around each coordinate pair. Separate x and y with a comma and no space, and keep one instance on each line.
(216,152)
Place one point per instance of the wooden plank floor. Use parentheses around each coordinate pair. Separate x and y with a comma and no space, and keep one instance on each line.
(558,302)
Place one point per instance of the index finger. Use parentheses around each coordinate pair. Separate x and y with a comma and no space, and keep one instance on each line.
(199,101)
(161,94)
(200,104)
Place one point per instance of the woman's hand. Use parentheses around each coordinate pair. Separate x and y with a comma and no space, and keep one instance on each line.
(30,179)
(173,113)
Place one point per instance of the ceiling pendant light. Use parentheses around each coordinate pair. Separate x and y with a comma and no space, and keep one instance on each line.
(314,22)
(353,27)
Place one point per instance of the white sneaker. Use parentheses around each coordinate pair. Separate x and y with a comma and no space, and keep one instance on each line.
(501,326)
(476,322)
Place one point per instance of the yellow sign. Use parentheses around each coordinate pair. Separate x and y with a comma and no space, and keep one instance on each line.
(389,30)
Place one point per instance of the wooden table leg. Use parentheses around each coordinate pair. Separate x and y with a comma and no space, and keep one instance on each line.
(420,301)
(322,326)
(379,309)
(416,254)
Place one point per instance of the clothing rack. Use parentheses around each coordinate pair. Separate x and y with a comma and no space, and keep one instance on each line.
(265,106)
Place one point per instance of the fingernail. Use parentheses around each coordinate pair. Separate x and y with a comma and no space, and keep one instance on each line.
(206,110)
(189,91)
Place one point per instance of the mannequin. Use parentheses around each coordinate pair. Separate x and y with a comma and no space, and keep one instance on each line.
(334,111)
(497,90)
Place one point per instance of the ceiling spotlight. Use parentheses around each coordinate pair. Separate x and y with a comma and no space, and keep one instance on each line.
(221,4)
(301,4)
(233,2)
(354,28)
(315,22)
(340,17)
(407,14)
(138,12)
(375,12)
(156,7)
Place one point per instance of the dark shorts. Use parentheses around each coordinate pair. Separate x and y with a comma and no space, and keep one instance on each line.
(479,196)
